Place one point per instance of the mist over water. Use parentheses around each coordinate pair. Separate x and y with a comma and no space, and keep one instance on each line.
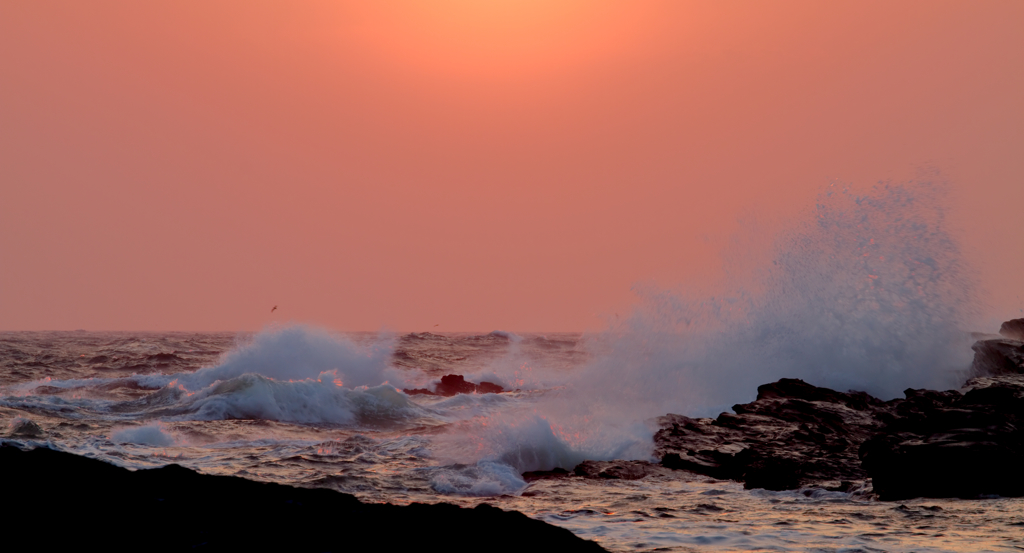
(299,352)
(868,292)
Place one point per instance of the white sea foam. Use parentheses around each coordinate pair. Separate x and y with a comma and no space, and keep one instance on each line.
(299,352)
(321,400)
(484,478)
(294,373)
(868,293)
(150,434)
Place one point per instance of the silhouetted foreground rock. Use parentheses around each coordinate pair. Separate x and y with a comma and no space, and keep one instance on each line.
(56,499)
(452,384)
(930,444)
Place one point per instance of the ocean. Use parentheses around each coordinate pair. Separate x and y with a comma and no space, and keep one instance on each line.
(310,407)
(865,292)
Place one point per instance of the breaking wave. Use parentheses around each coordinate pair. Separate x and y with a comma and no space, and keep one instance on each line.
(868,293)
(294,373)
(297,352)
(253,396)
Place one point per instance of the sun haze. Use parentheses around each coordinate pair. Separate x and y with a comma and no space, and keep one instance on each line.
(474,165)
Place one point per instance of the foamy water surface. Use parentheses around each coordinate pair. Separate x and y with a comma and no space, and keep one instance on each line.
(866,294)
(146,400)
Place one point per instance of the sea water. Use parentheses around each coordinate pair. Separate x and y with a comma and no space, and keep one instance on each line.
(866,292)
(146,400)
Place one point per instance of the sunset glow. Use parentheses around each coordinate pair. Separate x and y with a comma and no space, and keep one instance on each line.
(513,275)
(500,40)
(474,165)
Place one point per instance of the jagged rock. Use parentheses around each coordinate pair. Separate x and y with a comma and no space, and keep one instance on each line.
(944,444)
(930,444)
(998,356)
(174,508)
(605,470)
(618,470)
(794,434)
(419,392)
(452,384)
(557,472)
(1013,329)
(25,428)
(488,388)
(948,444)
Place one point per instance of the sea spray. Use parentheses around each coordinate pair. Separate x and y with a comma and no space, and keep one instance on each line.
(154,434)
(297,352)
(292,373)
(868,292)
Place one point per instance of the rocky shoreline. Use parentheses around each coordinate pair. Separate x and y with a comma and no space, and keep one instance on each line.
(965,443)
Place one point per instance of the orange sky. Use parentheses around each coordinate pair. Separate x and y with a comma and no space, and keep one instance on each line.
(186,165)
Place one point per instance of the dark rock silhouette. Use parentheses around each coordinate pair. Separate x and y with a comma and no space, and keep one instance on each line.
(452,384)
(489,388)
(63,500)
(948,444)
(966,444)
(618,470)
(794,434)
(25,428)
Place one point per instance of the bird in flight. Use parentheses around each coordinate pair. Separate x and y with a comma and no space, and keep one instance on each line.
(437,325)
(273,309)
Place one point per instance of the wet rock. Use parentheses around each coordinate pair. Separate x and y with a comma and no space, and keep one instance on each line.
(794,434)
(948,444)
(998,356)
(966,443)
(488,388)
(952,445)
(25,428)
(618,470)
(1013,329)
(116,509)
(557,472)
(419,392)
(452,384)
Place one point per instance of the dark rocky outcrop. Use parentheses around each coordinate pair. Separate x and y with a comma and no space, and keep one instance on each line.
(25,428)
(967,443)
(1013,329)
(618,470)
(452,384)
(794,434)
(997,356)
(603,470)
(944,444)
(62,500)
